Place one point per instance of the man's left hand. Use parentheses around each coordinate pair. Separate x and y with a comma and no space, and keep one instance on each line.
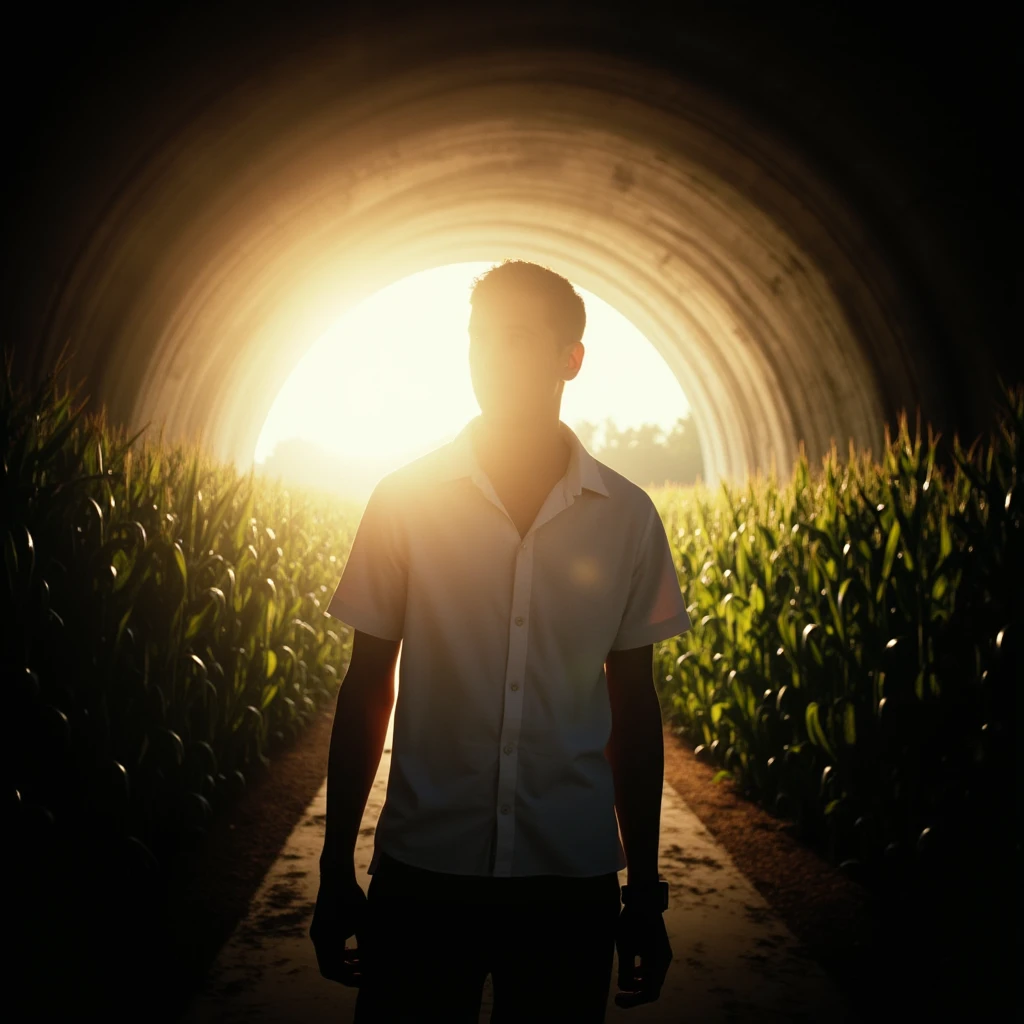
(641,933)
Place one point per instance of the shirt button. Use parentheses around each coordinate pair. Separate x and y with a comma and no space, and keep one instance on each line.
(504,808)
(515,686)
(508,748)
(519,620)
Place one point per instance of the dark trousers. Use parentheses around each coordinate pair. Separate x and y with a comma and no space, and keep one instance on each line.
(546,940)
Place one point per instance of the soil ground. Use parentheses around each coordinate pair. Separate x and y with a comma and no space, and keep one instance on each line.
(876,963)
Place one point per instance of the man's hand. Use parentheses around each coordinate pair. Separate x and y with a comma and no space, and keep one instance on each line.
(641,933)
(341,911)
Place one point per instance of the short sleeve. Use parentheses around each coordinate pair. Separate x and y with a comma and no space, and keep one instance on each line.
(655,607)
(372,592)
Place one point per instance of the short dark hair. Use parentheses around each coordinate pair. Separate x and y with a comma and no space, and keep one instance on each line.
(568,314)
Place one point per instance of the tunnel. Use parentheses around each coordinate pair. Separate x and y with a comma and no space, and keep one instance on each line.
(804,208)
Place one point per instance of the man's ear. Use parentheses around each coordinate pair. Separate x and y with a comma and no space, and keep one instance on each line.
(573,360)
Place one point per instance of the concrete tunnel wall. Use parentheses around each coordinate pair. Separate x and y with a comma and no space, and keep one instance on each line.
(730,184)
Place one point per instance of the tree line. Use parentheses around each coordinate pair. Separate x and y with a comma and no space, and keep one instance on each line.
(647,455)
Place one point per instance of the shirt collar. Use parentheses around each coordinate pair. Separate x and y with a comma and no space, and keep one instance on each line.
(583,472)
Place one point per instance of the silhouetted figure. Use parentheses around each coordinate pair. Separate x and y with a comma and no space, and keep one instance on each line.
(527,583)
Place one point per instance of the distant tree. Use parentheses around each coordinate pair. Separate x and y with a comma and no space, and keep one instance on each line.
(586,432)
(613,438)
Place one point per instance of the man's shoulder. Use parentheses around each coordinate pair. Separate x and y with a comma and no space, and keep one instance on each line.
(418,473)
(623,493)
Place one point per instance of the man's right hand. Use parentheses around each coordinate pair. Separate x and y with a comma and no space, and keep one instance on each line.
(341,911)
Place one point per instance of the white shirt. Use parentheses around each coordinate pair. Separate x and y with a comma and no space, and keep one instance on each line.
(502,712)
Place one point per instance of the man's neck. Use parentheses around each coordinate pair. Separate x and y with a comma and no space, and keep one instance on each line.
(521,451)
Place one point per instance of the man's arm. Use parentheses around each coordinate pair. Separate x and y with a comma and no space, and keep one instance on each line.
(636,751)
(365,700)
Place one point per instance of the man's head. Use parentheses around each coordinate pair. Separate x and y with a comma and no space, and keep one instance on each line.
(525,330)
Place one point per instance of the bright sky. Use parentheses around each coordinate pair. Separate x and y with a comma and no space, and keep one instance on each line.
(390,380)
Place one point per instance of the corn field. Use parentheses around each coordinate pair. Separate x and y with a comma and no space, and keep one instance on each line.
(855,655)
(853,663)
(163,629)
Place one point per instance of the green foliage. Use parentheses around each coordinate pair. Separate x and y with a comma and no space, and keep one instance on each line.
(164,624)
(856,639)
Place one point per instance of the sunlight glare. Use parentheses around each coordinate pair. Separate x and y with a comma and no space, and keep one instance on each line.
(390,380)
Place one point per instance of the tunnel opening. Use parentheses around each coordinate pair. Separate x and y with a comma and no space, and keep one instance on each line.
(391,381)
(743,281)
(691,178)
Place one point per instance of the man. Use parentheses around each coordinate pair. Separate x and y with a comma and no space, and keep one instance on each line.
(528,583)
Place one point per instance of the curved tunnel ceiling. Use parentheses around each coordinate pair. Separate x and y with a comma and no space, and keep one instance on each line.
(785,308)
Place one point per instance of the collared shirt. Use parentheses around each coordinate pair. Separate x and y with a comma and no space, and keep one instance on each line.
(502,712)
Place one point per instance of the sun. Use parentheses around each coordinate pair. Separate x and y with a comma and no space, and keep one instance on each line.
(390,380)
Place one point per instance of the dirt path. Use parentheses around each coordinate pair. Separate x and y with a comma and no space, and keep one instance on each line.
(735,959)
